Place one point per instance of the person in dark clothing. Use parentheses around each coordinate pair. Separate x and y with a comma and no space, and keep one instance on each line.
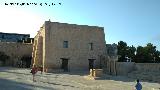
(138,85)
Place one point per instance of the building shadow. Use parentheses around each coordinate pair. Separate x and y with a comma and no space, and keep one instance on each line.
(6,84)
(122,78)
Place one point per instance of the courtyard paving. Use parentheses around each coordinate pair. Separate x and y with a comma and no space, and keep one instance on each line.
(21,79)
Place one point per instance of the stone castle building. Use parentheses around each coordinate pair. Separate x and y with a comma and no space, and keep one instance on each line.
(69,46)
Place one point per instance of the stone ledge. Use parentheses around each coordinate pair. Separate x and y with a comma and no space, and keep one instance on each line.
(96,72)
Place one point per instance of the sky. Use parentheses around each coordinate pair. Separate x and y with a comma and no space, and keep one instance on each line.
(137,22)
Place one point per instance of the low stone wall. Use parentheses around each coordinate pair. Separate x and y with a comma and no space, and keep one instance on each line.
(123,68)
(15,51)
(146,72)
(96,72)
(142,71)
(148,67)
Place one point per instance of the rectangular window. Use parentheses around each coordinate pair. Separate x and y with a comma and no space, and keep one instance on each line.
(90,46)
(65,44)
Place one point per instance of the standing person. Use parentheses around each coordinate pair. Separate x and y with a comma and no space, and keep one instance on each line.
(34,71)
(138,85)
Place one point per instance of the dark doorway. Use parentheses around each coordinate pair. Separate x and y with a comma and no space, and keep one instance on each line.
(91,63)
(3,62)
(26,61)
(64,64)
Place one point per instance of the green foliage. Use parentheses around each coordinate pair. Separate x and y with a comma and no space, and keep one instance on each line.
(157,56)
(122,47)
(146,54)
(131,51)
(125,51)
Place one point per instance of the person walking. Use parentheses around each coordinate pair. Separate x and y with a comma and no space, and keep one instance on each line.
(34,71)
(138,86)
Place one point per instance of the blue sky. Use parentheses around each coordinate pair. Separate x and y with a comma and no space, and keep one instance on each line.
(136,22)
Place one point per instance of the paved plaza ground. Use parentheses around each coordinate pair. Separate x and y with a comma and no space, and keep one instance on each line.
(21,79)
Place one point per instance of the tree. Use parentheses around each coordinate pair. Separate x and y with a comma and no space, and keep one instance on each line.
(150,51)
(147,54)
(131,52)
(157,56)
(122,50)
(140,55)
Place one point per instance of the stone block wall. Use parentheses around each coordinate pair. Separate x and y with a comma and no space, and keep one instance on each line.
(15,51)
(147,67)
(146,72)
(123,68)
(96,72)
(78,52)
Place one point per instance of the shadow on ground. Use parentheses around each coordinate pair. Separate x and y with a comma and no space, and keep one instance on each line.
(6,84)
(80,73)
(73,72)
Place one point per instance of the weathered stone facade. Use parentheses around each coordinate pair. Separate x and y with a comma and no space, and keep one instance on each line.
(111,59)
(15,51)
(59,45)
